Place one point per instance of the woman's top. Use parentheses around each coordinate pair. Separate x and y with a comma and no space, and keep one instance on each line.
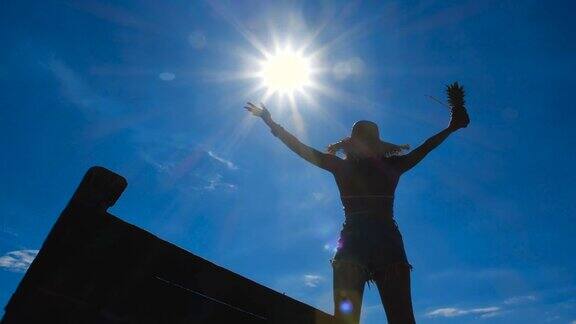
(366,185)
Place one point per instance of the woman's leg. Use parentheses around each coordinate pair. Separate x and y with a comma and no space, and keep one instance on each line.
(348,285)
(394,288)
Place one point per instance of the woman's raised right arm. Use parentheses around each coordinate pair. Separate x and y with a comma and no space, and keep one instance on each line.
(323,160)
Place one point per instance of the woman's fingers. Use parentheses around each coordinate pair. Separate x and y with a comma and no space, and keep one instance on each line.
(255,110)
(252,105)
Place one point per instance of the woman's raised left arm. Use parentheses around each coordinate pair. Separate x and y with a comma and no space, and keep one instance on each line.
(458,119)
(415,156)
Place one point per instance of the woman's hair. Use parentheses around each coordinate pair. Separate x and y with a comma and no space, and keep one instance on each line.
(366,133)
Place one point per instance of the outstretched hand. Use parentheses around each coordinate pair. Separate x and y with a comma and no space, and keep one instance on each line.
(257,111)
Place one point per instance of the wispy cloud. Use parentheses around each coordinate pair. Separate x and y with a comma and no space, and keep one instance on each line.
(75,88)
(216,182)
(519,300)
(197,39)
(190,169)
(508,305)
(454,312)
(17,261)
(72,85)
(167,166)
(229,164)
(313,281)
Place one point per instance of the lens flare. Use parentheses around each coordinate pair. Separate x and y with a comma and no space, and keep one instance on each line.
(346,306)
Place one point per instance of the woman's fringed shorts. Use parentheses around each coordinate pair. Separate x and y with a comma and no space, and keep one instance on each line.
(373,243)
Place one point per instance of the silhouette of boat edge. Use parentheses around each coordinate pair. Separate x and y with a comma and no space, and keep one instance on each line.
(96,268)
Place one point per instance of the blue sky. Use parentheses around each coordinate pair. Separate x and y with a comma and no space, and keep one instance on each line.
(155,90)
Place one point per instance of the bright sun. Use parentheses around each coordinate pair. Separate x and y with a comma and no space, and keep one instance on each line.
(285,72)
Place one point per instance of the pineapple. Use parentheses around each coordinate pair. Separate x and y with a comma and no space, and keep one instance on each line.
(458,114)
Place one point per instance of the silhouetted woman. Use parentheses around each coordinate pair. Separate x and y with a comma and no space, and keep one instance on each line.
(370,247)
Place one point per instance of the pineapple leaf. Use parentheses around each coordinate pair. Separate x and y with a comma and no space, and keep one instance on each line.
(455,94)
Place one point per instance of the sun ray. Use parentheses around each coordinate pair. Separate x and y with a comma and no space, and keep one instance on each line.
(238,134)
(323,112)
(227,76)
(349,33)
(253,40)
(266,95)
(321,27)
(297,118)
